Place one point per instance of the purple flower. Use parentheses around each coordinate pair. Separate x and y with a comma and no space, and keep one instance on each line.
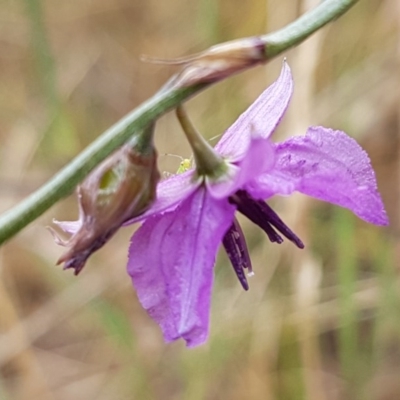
(172,255)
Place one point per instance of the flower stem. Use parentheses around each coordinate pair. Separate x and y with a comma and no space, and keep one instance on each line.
(294,33)
(64,182)
(208,162)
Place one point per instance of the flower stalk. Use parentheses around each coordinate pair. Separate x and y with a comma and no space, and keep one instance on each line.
(208,162)
(64,182)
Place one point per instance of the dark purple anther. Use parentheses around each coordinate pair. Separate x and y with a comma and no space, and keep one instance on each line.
(235,246)
(265,217)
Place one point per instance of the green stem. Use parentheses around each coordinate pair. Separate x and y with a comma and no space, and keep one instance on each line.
(304,26)
(208,162)
(63,183)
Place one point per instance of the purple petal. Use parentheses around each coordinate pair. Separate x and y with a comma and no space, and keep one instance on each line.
(263,116)
(171,261)
(331,166)
(170,192)
(259,158)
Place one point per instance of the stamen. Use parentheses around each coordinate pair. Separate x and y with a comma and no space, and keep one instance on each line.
(236,249)
(253,212)
(280,225)
(265,217)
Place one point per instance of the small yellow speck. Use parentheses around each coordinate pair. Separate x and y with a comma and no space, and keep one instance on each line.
(185,164)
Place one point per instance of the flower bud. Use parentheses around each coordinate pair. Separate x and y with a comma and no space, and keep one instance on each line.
(219,62)
(120,188)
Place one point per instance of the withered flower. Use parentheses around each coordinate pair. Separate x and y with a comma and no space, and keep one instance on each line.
(120,188)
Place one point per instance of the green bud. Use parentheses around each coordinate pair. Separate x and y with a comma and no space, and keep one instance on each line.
(219,61)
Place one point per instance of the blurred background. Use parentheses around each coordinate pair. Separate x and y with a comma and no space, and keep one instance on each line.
(322,323)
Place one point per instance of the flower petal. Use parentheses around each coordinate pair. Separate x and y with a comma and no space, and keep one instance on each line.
(259,158)
(170,192)
(331,166)
(171,261)
(263,116)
